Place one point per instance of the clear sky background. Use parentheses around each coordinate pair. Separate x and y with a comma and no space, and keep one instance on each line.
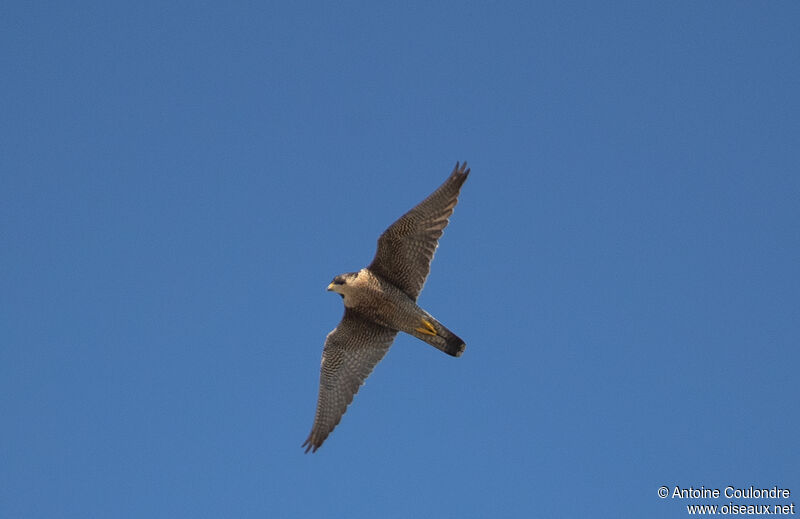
(179,182)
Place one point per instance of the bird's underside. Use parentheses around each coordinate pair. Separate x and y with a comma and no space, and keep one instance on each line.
(380,301)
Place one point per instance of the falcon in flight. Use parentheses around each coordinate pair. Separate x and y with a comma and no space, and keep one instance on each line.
(380,301)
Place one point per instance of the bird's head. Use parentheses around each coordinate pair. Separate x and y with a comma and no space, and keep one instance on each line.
(340,283)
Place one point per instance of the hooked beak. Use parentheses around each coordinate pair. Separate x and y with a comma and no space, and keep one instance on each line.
(330,287)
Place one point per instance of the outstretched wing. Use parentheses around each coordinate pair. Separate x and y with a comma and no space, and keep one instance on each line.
(406,248)
(351,351)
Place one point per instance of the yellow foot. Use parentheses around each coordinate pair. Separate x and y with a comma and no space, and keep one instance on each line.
(428,328)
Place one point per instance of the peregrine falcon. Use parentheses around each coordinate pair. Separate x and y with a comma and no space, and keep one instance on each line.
(380,301)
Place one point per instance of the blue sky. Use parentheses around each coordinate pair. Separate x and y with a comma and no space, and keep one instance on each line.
(180,181)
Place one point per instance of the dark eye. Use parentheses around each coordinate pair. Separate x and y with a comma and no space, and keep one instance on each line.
(338,280)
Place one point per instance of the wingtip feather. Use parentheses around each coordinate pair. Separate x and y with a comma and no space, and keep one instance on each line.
(310,446)
(461,169)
